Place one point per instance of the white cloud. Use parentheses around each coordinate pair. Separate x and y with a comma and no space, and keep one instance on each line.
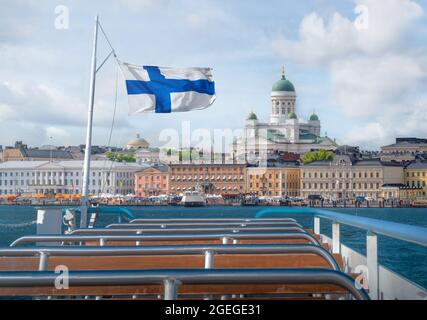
(60,135)
(368,86)
(141,4)
(377,75)
(394,124)
(47,105)
(322,41)
(369,135)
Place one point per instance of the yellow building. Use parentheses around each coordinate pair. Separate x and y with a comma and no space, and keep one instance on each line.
(274,181)
(416,176)
(345,177)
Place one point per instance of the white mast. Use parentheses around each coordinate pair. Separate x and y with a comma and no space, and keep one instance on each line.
(86,168)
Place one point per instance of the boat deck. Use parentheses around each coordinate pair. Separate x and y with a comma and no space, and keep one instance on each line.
(178,259)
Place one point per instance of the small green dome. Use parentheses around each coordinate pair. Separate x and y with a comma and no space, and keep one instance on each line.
(314,117)
(292,115)
(252,116)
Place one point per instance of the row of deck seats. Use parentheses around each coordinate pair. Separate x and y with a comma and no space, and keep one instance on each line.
(247,291)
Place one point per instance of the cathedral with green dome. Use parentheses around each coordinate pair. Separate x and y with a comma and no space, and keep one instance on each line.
(285,130)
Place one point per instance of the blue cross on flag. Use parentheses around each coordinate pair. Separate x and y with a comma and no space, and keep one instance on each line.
(166,90)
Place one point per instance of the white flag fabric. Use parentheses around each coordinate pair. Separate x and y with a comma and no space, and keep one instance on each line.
(166,90)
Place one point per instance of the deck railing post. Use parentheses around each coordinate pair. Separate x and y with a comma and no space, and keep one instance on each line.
(372,263)
(138,243)
(171,290)
(336,245)
(43,262)
(209,259)
(316,225)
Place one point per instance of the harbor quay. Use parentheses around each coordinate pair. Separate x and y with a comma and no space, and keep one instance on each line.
(343,181)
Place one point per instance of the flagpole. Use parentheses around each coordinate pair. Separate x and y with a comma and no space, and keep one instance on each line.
(86,167)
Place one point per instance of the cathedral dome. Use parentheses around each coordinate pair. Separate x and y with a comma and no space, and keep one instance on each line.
(252,116)
(283,84)
(138,143)
(292,115)
(314,117)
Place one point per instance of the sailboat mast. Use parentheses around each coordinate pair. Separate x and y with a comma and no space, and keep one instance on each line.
(86,167)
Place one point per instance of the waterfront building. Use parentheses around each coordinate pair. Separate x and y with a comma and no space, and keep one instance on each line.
(401,192)
(152,181)
(285,131)
(280,180)
(66,177)
(225,179)
(149,155)
(20,152)
(405,149)
(346,177)
(416,176)
(194,155)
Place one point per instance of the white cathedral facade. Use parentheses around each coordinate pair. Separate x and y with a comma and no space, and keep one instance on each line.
(284,132)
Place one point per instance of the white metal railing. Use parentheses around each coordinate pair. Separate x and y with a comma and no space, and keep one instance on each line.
(103,239)
(374,227)
(172,278)
(209,251)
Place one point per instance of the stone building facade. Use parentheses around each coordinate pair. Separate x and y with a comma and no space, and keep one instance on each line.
(225,179)
(345,177)
(416,176)
(66,177)
(152,181)
(281,181)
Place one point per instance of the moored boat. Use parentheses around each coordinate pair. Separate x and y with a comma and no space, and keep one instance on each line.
(193,199)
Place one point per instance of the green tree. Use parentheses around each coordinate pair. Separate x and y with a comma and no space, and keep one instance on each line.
(121,157)
(320,155)
(111,156)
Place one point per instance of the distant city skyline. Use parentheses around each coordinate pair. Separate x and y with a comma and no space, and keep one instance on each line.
(360,65)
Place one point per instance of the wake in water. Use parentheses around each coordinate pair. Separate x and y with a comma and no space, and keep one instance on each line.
(17,225)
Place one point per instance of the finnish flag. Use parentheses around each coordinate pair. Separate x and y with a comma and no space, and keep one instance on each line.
(166,90)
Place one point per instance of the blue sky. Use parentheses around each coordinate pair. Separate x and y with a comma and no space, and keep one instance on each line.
(366,84)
